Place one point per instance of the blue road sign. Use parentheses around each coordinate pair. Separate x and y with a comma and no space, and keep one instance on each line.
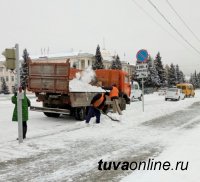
(142,55)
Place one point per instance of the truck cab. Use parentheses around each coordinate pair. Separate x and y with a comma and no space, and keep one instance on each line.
(120,78)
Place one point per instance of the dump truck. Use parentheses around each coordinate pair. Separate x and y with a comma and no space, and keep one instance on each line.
(50,81)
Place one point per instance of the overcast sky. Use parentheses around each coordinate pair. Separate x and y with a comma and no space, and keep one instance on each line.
(82,24)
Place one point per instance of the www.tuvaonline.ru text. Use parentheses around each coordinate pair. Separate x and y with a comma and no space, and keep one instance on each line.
(150,164)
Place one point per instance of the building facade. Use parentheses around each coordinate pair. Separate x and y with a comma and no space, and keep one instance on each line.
(9,76)
(82,60)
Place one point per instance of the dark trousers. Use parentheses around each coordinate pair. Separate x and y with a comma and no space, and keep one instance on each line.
(93,112)
(24,125)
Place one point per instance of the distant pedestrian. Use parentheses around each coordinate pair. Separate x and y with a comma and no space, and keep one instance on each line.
(25,104)
(97,104)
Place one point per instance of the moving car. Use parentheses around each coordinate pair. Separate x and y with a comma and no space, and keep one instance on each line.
(187,89)
(174,94)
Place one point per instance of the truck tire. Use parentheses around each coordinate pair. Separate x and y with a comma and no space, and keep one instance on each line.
(80,113)
(49,114)
(53,115)
(140,98)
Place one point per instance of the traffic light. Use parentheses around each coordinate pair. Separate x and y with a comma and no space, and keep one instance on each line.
(10,58)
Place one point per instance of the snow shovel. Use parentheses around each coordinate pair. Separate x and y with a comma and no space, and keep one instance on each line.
(107,115)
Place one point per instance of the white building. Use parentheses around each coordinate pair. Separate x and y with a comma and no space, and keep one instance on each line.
(9,76)
(82,60)
(79,59)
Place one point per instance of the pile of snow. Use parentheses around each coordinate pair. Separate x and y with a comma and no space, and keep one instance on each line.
(82,80)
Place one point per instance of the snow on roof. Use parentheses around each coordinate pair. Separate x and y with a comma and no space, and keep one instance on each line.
(62,55)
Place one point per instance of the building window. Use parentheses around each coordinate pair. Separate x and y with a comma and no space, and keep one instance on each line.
(12,78)
(1,69)
(7,79)
(1,78)
(88,62)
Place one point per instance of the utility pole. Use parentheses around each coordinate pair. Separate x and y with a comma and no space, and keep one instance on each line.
(143,94)
(19,95)
(11,63)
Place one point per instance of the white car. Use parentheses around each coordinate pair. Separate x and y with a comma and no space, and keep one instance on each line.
(174,94)
(136,92)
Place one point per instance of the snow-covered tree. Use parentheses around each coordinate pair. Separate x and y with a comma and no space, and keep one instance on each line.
(172,76)
(194,79)
(167,73)
(178,76)
(198,76)
(182,77)
(4,86)
(160,69)
(24,69)
(153,79)
(116,63)
(98,64)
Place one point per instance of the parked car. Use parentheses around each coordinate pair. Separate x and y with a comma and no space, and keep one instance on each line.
(174,94)
(187,89)
(162,91)
(136,92)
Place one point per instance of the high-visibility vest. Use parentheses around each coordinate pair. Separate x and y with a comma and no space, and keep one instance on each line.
(98,102)
(114,92)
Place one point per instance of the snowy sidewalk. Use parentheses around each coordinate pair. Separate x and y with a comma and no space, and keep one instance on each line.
(185,148)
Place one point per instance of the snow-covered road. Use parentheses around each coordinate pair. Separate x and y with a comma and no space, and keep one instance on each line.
(66,150)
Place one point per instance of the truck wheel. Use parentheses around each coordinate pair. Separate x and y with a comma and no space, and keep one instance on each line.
(80,113)
(140,98)
(53,115)
(123,104)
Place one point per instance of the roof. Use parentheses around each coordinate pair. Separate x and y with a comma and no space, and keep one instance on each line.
(64,54)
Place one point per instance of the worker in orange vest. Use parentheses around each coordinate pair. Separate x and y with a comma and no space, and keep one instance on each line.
(114,96)
(97,104)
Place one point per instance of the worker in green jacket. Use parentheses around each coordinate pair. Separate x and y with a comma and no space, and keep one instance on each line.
(25,104)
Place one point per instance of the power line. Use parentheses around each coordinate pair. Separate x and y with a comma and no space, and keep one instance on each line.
(170,24)
(170,5)
(156,22)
